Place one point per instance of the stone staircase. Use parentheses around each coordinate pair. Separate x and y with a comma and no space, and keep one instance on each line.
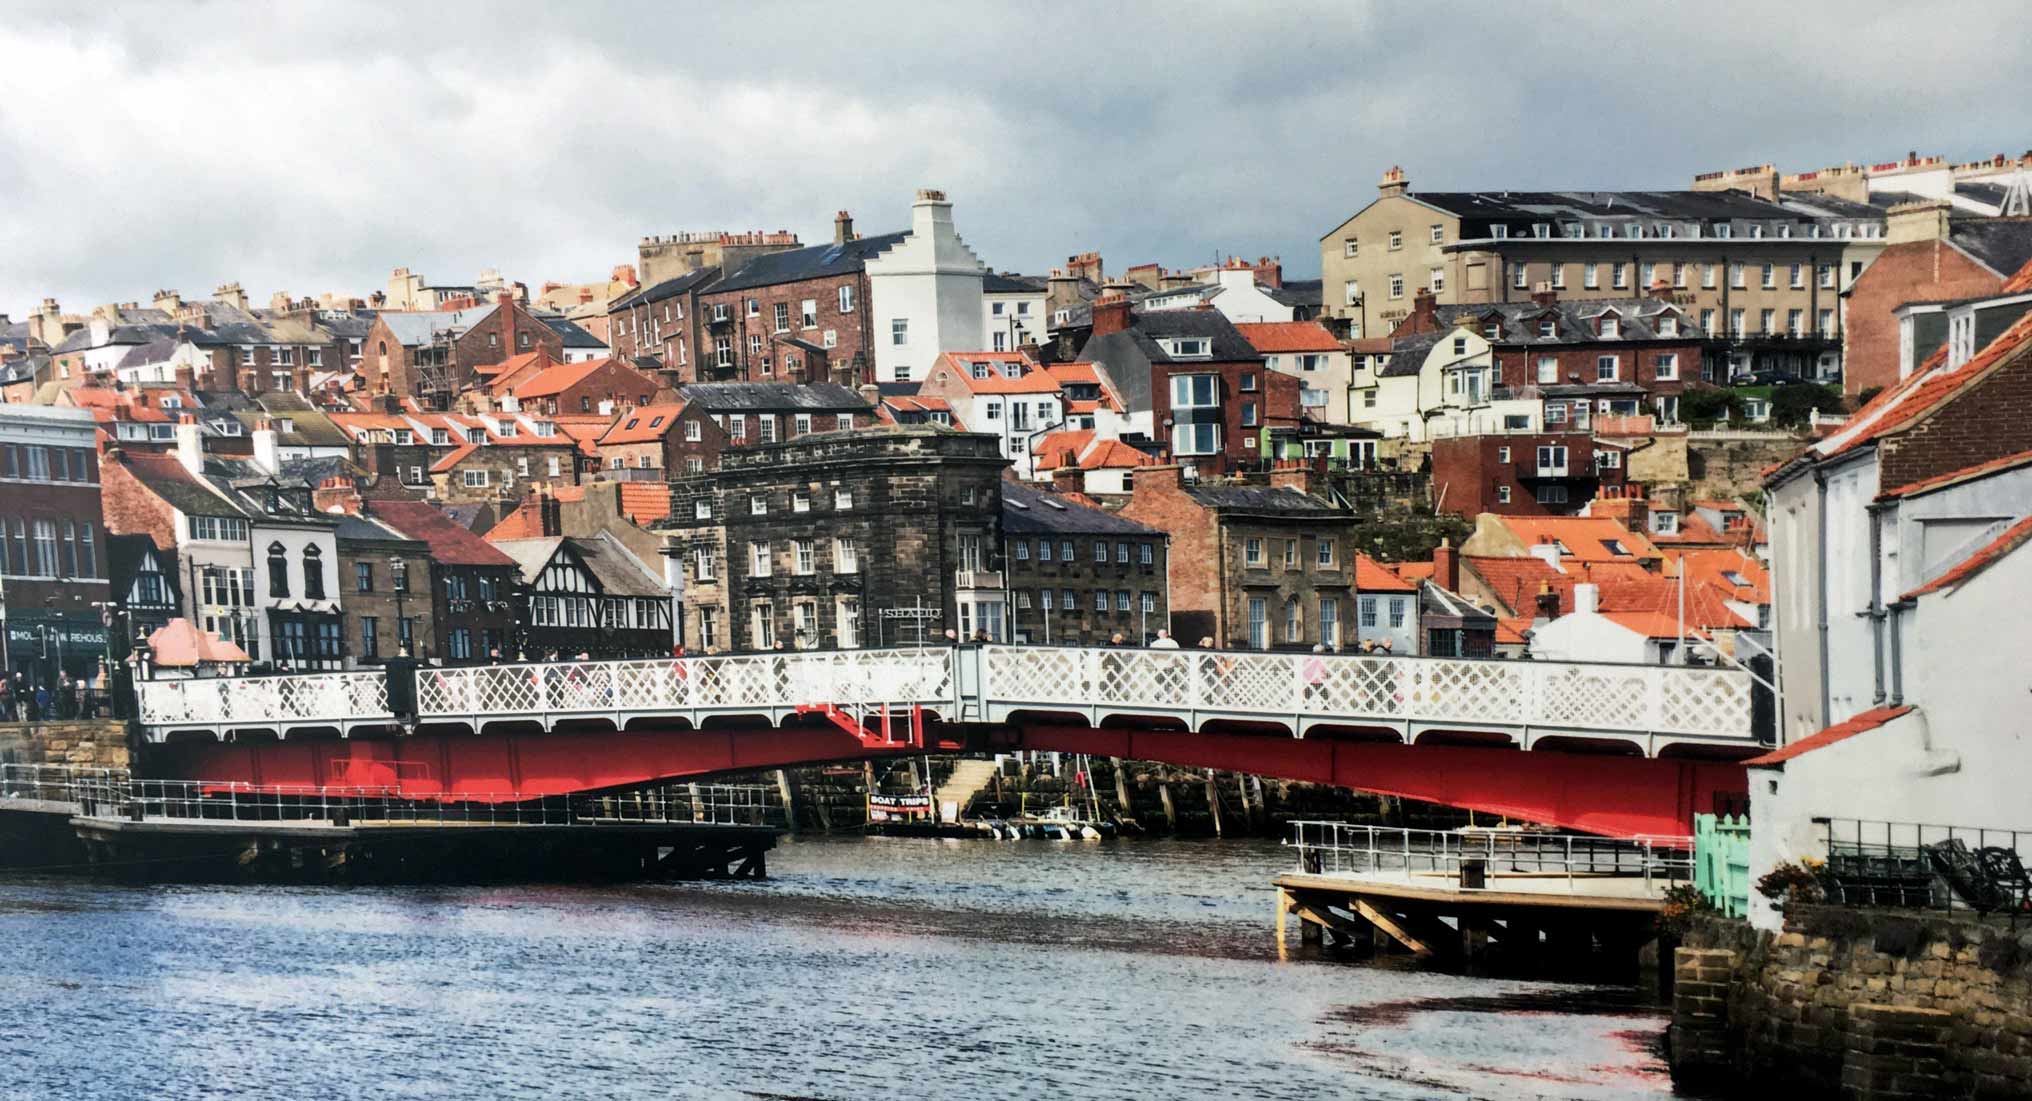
(968,777)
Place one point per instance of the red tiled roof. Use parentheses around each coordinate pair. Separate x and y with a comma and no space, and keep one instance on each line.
(558,378)
(453,457)
(2013,537)
(1928,388)
(1033,380)
(1115,455)
(449,543)
(1954,477)
(1372,576)
(526,522)
(1288,336)
(1056,447)
(1705,609)
(1692,529)
(1584,536)
(1706,567)
(1867,721)
(1516,581)
(642,425)
(1511,629)
(2019,282)
(645,502)
(1076,371)
(1412,571)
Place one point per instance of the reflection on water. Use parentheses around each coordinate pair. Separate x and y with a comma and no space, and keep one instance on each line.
(948,969)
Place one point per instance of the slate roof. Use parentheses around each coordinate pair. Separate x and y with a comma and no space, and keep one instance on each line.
(1687,206)
(166,478)
(2001,244)
(1260,499)
(814,262)
(1227,342)
(772,397)
(1028,510)
(998,283)
(413,327)
(1308,293)
(617,571)
(669,288)
(574,336)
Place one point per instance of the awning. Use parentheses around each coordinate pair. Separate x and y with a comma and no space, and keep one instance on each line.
(182,645)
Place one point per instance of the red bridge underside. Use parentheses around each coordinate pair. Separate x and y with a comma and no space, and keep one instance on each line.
(1598,792)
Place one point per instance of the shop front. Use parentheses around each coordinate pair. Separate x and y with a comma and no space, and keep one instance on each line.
(43,644)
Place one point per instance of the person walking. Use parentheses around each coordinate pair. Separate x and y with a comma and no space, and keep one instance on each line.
(1163,641)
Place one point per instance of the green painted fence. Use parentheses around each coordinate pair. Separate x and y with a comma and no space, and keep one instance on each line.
(1721,862)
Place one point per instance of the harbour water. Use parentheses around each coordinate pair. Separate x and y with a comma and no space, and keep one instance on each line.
(861,968)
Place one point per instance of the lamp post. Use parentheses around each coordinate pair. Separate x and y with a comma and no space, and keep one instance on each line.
(400,569)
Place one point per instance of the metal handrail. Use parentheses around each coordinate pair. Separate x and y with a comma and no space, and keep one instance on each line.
(112,794)
(1348,849)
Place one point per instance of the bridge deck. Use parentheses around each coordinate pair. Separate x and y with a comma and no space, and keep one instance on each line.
(1652,708)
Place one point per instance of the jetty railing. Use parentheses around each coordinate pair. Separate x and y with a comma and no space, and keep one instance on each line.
(114,795)
(1478,860)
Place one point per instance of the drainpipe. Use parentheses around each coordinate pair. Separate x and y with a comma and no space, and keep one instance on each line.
(1875,612)
(1898,654)
(1820,612)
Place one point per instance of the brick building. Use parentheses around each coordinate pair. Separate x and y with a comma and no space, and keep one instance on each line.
(1078,575)
(594,385)
(1193,379)
(52,544)
(1897,308)
(1522,473)
(662,322)
(497,456)
(385,611)
(739,414)
(801,315)
(1608,357)
(434,356)
(841,540)
(1272,567)
(472,588)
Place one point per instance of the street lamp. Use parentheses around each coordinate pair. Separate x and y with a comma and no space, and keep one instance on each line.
(400,569)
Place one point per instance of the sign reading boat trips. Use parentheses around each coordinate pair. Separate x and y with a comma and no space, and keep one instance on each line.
(882,808)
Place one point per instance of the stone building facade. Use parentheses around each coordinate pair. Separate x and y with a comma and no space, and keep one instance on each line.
(841,540)
(1078,575)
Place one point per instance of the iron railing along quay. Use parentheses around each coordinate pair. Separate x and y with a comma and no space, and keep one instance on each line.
(1476,860)
(1924,865)
(114,795)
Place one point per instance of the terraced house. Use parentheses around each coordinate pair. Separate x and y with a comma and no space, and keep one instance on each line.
(1764,275)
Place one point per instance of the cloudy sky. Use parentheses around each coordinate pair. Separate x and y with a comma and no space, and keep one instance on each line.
(180,145)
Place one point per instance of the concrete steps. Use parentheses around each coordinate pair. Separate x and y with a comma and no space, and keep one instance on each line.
(967,779)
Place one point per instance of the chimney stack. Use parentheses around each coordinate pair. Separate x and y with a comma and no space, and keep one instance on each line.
(1544,295)
(1923,220)
(190,447)
(1292,474)
(1586,597)
(1547,604)
(1393,184)
(1111,313)
(843,228)
(1068,478)
(507,303)
(1169,477)
(1446,566)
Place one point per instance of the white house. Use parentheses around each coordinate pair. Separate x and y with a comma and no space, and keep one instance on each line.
(1589,634)
(1013,311)
(1002,394)
(1897,569)
(1439,384)
(926,293)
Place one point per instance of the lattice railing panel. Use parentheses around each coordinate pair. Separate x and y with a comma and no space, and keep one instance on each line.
(1602,697)
(1704,701)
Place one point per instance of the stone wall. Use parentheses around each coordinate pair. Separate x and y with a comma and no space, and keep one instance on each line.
(1728,465)
(1877,1003)
(85,743)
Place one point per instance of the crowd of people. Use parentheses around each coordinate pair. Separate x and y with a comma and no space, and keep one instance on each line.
(23,700)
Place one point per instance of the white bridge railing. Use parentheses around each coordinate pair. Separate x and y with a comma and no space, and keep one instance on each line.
(993,682)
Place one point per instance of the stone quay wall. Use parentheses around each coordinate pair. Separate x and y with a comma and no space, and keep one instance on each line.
(83,743)
(1863,1004)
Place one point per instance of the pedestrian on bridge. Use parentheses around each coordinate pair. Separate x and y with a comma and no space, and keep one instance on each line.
(1163,641)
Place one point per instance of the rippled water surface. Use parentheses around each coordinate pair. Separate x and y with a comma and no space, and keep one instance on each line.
(861,968)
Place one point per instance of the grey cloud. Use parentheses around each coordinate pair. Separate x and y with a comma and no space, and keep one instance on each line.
(312,148)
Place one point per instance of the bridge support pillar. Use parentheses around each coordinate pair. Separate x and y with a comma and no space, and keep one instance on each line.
(1170,809)
(1213,799)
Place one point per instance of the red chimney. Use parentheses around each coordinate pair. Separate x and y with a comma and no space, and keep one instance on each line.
(1545,295)
(1446,566)
(1424,315)
(1068,478)
(1111,313)
(507,302)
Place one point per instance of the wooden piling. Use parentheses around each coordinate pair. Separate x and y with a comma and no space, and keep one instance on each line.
(789,801)
(1121,787)
(1213,798)
(1170,810)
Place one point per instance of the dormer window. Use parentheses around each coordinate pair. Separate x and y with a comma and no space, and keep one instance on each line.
(1668,325)
(1611,327)
(285,426)
(980,368)
(440,437)
(1012,370)
(1188,347)
(506,431)
(1548,327)
(1493,330)
(547,429)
